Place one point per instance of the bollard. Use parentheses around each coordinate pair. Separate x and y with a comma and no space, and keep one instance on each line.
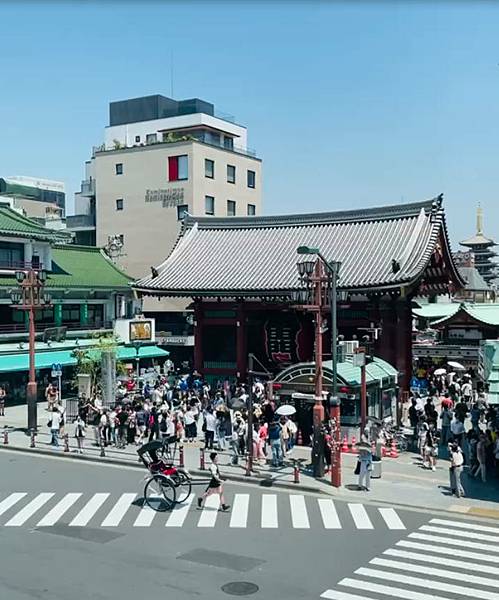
(66,442)
(299,438)
(5,435)
(296,472)
(201,459)
(181,462)
(32,439)
(102,450)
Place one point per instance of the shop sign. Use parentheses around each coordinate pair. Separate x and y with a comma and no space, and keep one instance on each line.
(168,197)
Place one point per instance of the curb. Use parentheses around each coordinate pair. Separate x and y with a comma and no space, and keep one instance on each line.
(263,481)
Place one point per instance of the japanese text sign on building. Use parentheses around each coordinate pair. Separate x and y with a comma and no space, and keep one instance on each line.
(168,197)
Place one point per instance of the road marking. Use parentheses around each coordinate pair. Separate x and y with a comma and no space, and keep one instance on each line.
(240,506)
(391,518)
(464,525)
(23,515)
(209,515)
(425,569)
(442,540)
(337,595)
(329,514)
(10,501)
(299,516)
(179,513)
(269,511)
(89,510)
(119,510)
(59,510)
(446,551)
(449,562)
(376,588)
(360,516)
(460,590)
(147,514)
(465,534)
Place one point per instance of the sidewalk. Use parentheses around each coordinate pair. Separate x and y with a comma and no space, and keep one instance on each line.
(404,482)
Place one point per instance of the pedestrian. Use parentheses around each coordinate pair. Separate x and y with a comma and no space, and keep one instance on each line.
(481,455)
(153,424)
(275,443)
(209,425)
(456,469)
(414,420)
(457,430)
(431,450)
(54,425)
(365,466)
(284,436)
(79,433)
(215,486)
(51,396)
(446,418)
(2,401)
(190,417)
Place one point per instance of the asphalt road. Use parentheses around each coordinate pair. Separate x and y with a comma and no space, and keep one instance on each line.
(71,530)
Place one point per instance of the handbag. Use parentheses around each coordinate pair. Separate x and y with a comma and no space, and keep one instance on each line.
(49,423)
(357,468)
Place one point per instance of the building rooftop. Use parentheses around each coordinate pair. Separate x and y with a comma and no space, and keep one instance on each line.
(487,314)
(255,256)
(80,267)
(14,224)
(474,281)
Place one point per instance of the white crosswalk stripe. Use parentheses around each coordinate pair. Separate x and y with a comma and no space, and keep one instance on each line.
(437,562)
(268,511)
(11,500)
(30,509)
(89,510)
(299,515)
(360,516)
(240,508)
(209,515)
(59,510)
(119,510)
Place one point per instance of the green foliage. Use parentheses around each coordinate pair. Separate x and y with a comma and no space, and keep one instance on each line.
(88,360)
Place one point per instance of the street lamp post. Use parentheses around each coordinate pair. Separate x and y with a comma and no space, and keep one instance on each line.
(333,270)
(30,298)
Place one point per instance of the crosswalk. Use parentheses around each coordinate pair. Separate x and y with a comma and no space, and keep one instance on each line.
(266,511)
(436,562)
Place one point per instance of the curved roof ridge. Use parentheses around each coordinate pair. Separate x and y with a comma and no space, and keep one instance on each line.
(376,213)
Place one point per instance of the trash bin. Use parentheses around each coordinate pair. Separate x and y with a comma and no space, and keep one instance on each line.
(376,470)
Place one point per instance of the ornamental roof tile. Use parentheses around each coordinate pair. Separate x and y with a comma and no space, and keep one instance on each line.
(253,256)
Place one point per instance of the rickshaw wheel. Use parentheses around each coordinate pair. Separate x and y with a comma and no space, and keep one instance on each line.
(159,493)
(183,484)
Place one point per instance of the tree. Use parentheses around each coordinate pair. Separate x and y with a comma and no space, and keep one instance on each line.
(88,360)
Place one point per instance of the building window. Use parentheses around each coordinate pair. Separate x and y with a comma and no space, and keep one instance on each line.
(209,205)
(71,313)
(182,211)
(231,174)
(231,208)
(119,168)
(177,168)
(151,138)
(209,168)
(119,204)
(137,139)
(251,210)
(228,143)
(251,179)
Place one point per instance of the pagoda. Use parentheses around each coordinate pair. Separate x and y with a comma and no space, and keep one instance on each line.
(481,247)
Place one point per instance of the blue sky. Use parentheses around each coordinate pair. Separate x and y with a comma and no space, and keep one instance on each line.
(348,104)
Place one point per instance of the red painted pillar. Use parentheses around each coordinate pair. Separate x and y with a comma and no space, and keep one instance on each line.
(404,342)
(241,349)
(387,345)
(198,337)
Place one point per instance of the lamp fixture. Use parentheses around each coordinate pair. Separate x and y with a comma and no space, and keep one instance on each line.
(42,276)
(20,276)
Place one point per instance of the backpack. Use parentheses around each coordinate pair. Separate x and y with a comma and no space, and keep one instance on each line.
(151,420)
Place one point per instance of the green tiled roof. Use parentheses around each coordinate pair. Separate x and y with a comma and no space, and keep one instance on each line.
(14,224)
(436,310)
(485,313)
(77,267)
(378,370)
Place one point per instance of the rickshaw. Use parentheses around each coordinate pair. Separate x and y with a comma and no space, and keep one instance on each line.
(167,484)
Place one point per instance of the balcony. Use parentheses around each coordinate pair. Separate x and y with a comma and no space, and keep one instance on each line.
(75,222)
(87,187)
(20,330)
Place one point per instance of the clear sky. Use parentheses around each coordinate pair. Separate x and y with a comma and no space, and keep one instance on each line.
(349,104)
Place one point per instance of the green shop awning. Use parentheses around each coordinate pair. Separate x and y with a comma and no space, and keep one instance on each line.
(10,363)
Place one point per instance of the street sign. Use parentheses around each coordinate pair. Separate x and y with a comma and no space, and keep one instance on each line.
(56,370)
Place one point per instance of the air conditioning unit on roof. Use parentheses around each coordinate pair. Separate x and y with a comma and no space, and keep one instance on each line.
(349,347)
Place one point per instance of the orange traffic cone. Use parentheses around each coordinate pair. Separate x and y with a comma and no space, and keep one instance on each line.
(394,453)
(354,446)
(344,446)
(383,450)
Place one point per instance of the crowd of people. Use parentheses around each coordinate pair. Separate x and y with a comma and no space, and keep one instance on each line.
(181,409)
(455,421)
